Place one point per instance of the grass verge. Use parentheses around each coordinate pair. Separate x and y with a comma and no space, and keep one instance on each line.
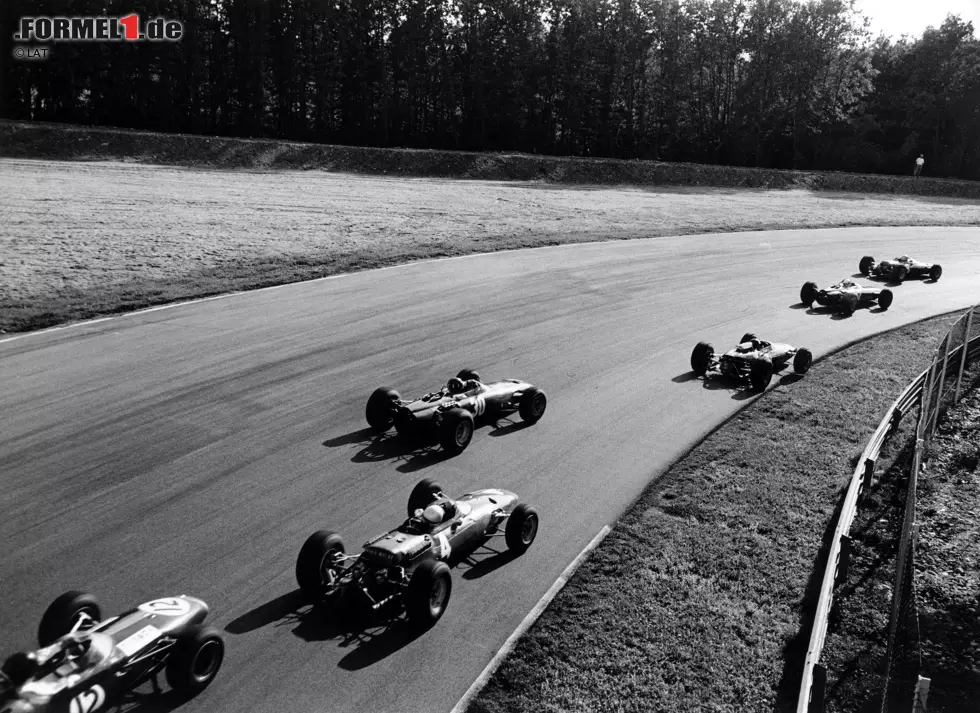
(80,240)
(700,597)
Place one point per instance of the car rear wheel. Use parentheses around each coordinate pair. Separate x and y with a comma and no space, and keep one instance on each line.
(901,272)
(760,374)
(532,405)
(522,528)
(885,299)
(195,659)
(379,408)
(456,431)
(935,272)
(423,493)
(808,293)
(316,564)
(66,612)
(428,592)
(866,265)
(802,361)
(701,358)
(849,303)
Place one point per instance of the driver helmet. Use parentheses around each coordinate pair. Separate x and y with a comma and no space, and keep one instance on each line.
(19,668)
(434,514)
(455,385)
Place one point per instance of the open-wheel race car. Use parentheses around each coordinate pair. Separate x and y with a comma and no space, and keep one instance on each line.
(900,268)
(449,415)
(846,295)
(409,566)
(86,663)
(753,361)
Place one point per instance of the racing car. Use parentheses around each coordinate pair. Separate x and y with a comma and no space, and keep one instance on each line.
(449,414)
(408,567)
(846,295)
(86,663)
(753,361)
(901,267)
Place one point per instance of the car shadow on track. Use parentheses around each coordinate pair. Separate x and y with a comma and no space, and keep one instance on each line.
(411,456)
(146,700)
(371,637)
(740,392)
(836,315)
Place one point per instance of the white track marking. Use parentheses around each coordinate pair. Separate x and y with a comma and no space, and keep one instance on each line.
(531,617)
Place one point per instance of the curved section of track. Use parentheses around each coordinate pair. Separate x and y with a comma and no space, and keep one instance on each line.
(192,449)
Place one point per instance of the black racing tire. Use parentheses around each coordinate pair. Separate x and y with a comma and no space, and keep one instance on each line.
(802,361)
(760,374)
(63,614)
(195,659)
(885,299)
(532,405)
(456,430)
(701,358)
(521,529)
(848,303)
(935,272)
(424,492)
(428,593)
(901,272)
(808,293)
(379,412)
(467,374)
(866,265)
(313,562)
(747,337)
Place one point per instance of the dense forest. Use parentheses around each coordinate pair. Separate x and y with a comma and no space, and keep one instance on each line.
(772,83)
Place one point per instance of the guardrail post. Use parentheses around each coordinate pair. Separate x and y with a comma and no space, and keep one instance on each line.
(843,560)
(939,391)
(869,474)
(921,695)
(925,404)
(817,689)
(966,344)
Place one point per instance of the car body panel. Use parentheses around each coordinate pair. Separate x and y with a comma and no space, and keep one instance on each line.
(120,653)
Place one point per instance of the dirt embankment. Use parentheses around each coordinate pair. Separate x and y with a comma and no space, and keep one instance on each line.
(62,141)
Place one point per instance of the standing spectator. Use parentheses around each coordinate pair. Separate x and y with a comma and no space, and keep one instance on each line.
(919,163)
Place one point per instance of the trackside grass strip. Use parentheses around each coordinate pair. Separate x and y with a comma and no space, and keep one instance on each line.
(701,596)
(80,240)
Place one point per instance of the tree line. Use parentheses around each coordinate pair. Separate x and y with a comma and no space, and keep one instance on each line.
(769,83)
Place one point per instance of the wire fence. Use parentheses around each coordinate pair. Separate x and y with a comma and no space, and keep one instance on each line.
(933,391)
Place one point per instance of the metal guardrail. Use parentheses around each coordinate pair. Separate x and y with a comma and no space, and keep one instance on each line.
(813,685)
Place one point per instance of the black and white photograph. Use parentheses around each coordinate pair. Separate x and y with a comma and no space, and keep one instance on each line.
(489,356)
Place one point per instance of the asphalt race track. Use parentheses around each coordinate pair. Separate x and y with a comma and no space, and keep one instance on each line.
(193,449)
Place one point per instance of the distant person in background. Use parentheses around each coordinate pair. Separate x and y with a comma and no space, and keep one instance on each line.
(919,162)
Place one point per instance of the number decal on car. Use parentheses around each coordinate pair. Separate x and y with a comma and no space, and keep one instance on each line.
(444,547)
(88,701)
(480,404)
(166,607)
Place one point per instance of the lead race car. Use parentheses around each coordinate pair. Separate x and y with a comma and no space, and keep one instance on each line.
(409,566)
(450,413)
(86,663)
(899,268)
(752,361)
(846,295)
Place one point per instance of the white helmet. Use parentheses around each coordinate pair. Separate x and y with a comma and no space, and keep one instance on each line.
(434,514)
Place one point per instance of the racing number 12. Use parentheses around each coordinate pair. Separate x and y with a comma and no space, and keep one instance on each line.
(87,701)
